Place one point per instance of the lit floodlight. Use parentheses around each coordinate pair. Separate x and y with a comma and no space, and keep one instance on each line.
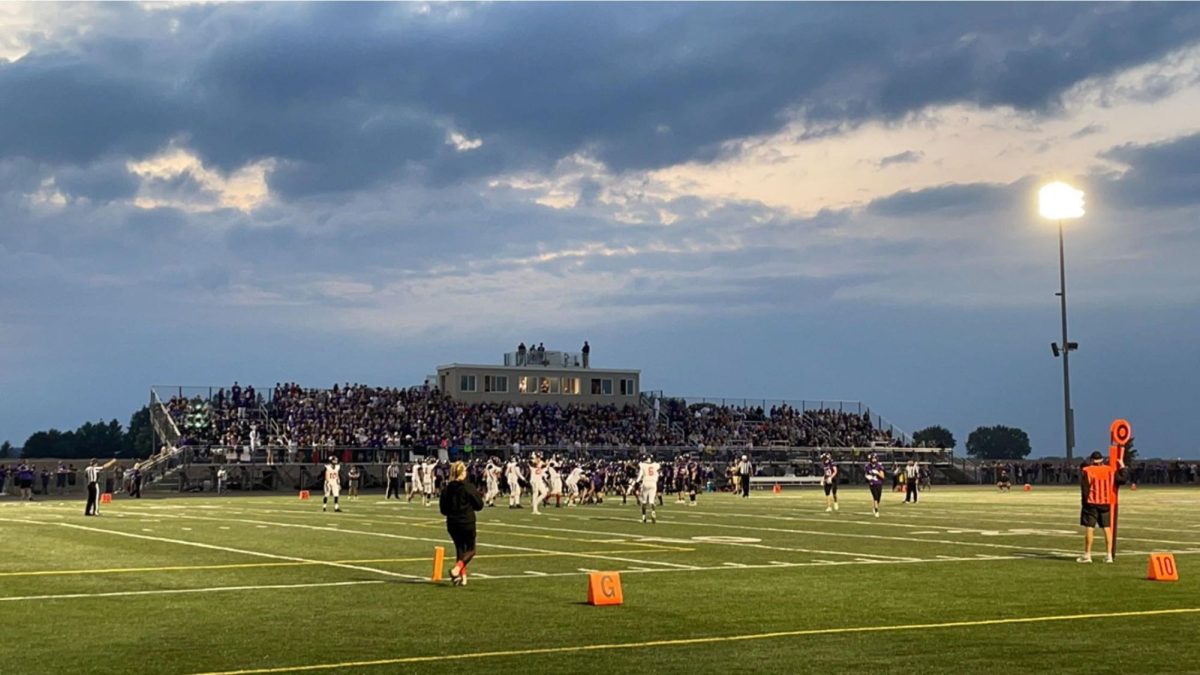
(1059,201)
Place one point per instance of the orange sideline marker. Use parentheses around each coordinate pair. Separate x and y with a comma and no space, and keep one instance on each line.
(604,588)
(1162,567)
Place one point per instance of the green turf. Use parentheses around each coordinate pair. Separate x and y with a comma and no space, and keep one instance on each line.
(724,569)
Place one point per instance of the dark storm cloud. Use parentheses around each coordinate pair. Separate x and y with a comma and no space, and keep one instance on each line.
(1161,175)
(943,200)
(906,157)
(350,95)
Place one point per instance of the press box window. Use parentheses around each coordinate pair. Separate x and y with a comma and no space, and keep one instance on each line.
(466,383)
(495,383)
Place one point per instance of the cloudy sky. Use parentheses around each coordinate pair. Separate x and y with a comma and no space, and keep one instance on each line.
(773,200)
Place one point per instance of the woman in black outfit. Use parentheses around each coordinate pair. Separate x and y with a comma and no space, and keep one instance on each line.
(460,500)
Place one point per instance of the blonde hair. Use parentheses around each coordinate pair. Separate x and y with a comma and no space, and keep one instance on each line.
(458,471)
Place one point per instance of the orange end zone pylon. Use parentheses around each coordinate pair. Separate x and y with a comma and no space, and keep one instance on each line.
(439,561)
(106,498)
(303,495)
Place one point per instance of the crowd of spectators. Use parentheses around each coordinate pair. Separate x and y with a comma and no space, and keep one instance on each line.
(355,415)
(1064,472)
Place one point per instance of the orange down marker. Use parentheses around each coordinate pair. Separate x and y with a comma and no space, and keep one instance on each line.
(604,588)
(1162,567)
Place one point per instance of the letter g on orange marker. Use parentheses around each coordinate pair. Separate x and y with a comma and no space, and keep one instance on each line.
(604,588)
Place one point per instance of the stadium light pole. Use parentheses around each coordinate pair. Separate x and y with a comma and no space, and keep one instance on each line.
(1059,201)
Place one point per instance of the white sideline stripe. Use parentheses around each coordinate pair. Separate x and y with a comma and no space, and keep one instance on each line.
(214,547)
(851,535)
(692,542)
(389,535)
(931,529)
(175,591)
(714,639)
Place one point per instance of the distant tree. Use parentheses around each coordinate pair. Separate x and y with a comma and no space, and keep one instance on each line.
(998,442)
(1130,452)
(52,443)
(935,437)
(139,440)
(6,450)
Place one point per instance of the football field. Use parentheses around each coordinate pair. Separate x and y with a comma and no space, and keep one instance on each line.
(967,581)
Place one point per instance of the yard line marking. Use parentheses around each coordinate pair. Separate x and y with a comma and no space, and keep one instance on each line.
(719,543)
(536,574)
(177,591)
(231,566)
(713,640)
(427,539)
(221,548)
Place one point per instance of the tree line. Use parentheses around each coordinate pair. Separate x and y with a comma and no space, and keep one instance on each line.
(92,439)
(994,442)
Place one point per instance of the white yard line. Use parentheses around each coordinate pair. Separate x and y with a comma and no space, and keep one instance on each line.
(1041,532)
(388,535)
(178,591)
(649,535)
(214,547)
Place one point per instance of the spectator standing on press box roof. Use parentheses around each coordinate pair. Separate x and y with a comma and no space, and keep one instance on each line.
(92,475)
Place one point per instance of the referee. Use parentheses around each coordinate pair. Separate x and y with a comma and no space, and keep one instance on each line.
(393,480)
(92,472)
(912,474)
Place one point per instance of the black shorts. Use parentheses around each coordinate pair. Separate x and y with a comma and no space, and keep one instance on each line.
(1095,515)
(25,483)
(463,536)
(830,488)
(877,492)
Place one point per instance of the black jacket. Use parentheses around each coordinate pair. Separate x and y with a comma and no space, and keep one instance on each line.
(460,500)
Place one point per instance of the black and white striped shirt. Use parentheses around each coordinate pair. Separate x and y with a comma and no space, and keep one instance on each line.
(93,474)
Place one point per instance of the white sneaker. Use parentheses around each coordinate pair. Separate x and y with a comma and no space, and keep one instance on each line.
(643,519)
(876,514)
(1108,559)
(1084,559)
(653,517)
(828,509)
(835,506)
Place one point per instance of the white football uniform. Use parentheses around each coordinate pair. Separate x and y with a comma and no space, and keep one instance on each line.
(648,477)
(513,474)
(333,480)
(492,474)
(429,479)
(416,485)
(537,482)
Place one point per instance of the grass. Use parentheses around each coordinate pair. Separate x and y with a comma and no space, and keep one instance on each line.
(282,585)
